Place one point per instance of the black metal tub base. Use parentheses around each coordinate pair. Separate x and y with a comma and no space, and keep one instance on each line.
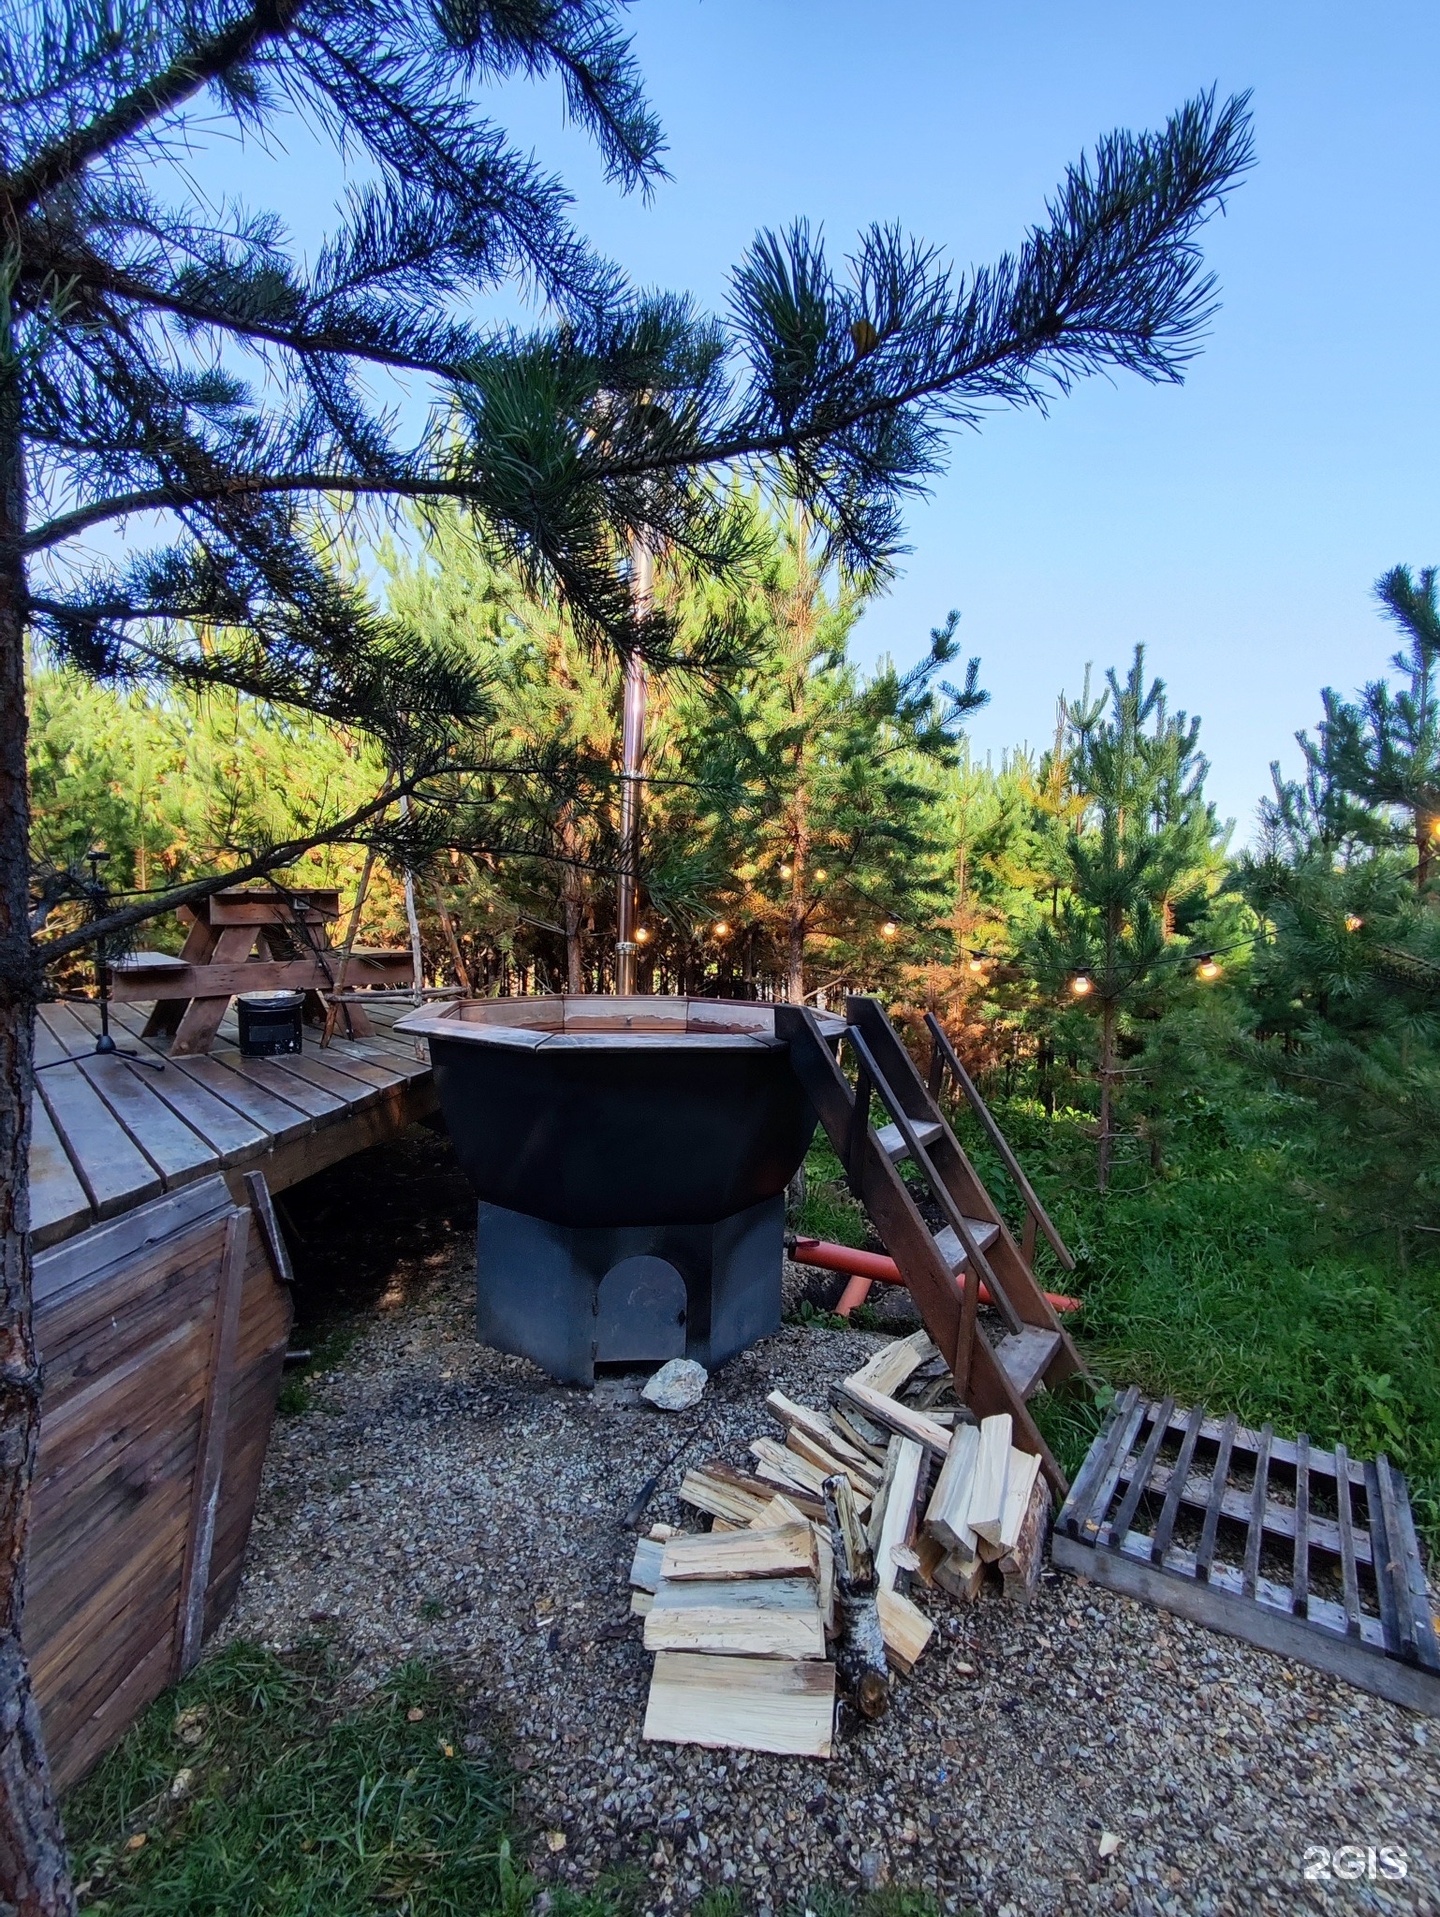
(571,1297)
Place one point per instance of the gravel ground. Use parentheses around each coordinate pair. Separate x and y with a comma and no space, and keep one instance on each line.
(440,1499)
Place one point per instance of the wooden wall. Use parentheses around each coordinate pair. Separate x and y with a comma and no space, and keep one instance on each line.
(162,1337)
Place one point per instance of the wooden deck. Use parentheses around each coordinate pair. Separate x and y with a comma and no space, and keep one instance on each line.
(111,1132)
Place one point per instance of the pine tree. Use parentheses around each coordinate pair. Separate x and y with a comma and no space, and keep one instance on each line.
(126,320)
(1345,997)
(1144,837)
(1377,761)
(841,850)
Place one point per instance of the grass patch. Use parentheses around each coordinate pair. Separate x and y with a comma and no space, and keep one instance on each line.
(247,1791)
(1226,1278)
(327,1348)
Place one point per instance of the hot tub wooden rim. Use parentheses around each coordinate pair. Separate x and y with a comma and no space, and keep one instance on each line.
(516,1022)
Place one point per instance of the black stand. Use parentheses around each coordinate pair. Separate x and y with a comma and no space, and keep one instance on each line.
(573,1297)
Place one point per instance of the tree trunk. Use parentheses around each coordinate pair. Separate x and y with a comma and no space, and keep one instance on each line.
(34,1871)
(571,905)
(796,928)
(1107,1062)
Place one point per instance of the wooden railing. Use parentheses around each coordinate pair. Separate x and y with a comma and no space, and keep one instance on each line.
(944,1057)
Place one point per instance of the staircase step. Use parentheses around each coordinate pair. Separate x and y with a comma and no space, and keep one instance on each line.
(892,1142)
(1025,1356)
(947,1242)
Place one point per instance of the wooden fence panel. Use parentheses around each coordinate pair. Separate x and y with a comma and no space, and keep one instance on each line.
(162,1335)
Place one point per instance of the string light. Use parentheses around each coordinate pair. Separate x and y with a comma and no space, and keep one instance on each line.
(1208,966)
(1353,921)
(889,930)
(821,875)
(642,935)
(977,965)
(721,929)
(786,870)
(1082,985)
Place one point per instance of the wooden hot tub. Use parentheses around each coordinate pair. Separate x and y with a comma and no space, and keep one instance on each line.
(631,1157)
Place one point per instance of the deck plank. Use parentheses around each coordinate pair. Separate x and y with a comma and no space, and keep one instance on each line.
(176,1151)
(115,1172)
(110,1132)
(59,1204)
(282,1118)
(355,1094)
(269,1075)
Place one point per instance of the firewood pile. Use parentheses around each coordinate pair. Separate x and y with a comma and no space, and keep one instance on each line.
(800,1590)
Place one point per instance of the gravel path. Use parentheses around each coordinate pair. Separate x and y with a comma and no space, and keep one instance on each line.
(440,1499)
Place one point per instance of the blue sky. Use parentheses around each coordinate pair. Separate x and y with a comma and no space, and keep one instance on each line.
(1234,525)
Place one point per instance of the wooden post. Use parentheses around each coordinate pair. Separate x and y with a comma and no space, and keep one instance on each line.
(337,1007)
(210,1464)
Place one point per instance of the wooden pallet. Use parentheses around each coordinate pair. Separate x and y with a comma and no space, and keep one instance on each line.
(1297,1549)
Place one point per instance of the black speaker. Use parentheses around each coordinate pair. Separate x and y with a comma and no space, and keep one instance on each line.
(271,1023)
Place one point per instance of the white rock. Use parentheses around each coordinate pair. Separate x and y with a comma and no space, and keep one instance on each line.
(677,1385)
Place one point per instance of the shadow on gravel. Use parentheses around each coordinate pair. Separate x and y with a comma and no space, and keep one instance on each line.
(376,1228)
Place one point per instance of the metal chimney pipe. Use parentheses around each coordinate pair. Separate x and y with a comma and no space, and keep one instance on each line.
(632,773)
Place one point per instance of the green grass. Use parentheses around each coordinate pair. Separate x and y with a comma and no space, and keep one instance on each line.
(1232,1278)
(327,1348)
(247,1791)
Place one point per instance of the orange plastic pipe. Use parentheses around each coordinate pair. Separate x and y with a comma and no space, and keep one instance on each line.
(864,1268)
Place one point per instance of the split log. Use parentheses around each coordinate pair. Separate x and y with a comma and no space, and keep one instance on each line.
(795,1476)
(1020,1476)
(804,1446)
(905,1629)
(863,1433)
(950,1502)
(753,1617)
(786,1551)
(892,1364)
(898,1522)
(1020,1567)
(800,1417)
(743,1703)
(987,1486)
(645,1567)
(860,1654)
(897,1417)
(961,1575)
(707,1491)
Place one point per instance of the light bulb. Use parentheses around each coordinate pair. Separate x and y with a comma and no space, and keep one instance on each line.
(1209,966)
(1082,985)
(889,930)
(820,875)
(722,930)
(786,870)
(1353,922)
(642,934)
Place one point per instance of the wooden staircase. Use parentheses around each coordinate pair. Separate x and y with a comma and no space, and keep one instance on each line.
(943,1270)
